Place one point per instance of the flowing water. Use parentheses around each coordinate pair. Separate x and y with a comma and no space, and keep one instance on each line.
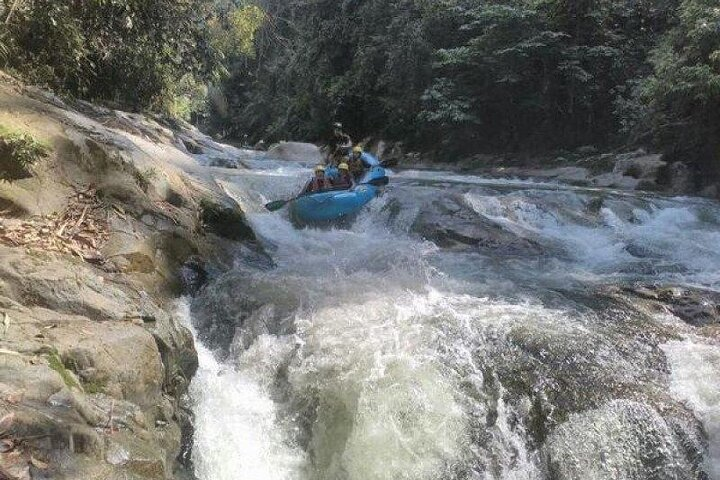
(461,328)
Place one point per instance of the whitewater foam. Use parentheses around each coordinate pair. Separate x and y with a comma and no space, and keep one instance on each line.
(389,372)
(237,435)
(658,237)
(695,379)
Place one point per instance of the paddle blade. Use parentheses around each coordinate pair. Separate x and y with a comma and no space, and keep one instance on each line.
(276,205)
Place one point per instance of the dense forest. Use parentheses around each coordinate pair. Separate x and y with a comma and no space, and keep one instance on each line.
(454,77)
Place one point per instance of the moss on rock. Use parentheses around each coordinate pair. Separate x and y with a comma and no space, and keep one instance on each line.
(225,222)
(56,363)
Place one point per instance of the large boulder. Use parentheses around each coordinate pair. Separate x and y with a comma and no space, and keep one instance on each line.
(76,386)
(450,223)
(116,358)
(575,175)
(639,165)
(616,180)
(680,178)
(695,306)
(242,305)
(61,286)
(622,440)
(94,364)
(296,152)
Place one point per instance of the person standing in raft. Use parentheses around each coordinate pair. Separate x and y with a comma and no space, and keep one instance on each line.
(319,182)
(340,148)
(359,162)
(344,180)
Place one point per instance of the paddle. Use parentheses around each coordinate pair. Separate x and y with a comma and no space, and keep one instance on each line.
(278,204)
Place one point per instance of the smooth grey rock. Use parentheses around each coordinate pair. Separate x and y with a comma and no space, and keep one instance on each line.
(615,180)
(622,440)
(681,179)
(451,224)
(694,306)
(645,167)
(296,152)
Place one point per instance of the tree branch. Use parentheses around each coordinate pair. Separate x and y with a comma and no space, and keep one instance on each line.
(14,6)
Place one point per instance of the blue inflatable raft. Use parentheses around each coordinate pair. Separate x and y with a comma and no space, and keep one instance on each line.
(335,205)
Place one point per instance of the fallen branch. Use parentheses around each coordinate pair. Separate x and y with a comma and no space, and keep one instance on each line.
(81,229)
(82,217)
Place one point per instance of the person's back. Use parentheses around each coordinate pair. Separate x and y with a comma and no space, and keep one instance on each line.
(358,162)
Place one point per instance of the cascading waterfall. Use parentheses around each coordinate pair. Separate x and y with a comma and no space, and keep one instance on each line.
(458,330)
(235,424)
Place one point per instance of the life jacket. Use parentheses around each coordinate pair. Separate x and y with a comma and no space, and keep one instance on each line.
(356,166)
(344,181)
(317,184)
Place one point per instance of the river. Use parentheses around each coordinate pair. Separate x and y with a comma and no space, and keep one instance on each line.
(462,328)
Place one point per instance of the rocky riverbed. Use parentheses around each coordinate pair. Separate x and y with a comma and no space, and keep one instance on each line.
(625,169)
(464,327)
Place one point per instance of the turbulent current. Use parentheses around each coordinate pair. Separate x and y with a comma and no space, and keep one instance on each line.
(461,328)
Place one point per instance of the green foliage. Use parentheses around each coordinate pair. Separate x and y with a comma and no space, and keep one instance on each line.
(535,74)
(457,76)
(233,29)
(18,152)
(365,63)
(130,52)
(56,363)
(3,46)
(186,99)
(94,386)
(683,94)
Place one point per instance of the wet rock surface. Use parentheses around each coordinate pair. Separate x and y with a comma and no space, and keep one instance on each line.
(451,223)
(467,230)
(633,170)
(695,306)
(240,307)
(680,180)
(296,151)
(94,361)
(642,445)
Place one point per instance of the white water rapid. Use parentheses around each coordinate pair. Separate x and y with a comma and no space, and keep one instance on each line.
(461,328)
